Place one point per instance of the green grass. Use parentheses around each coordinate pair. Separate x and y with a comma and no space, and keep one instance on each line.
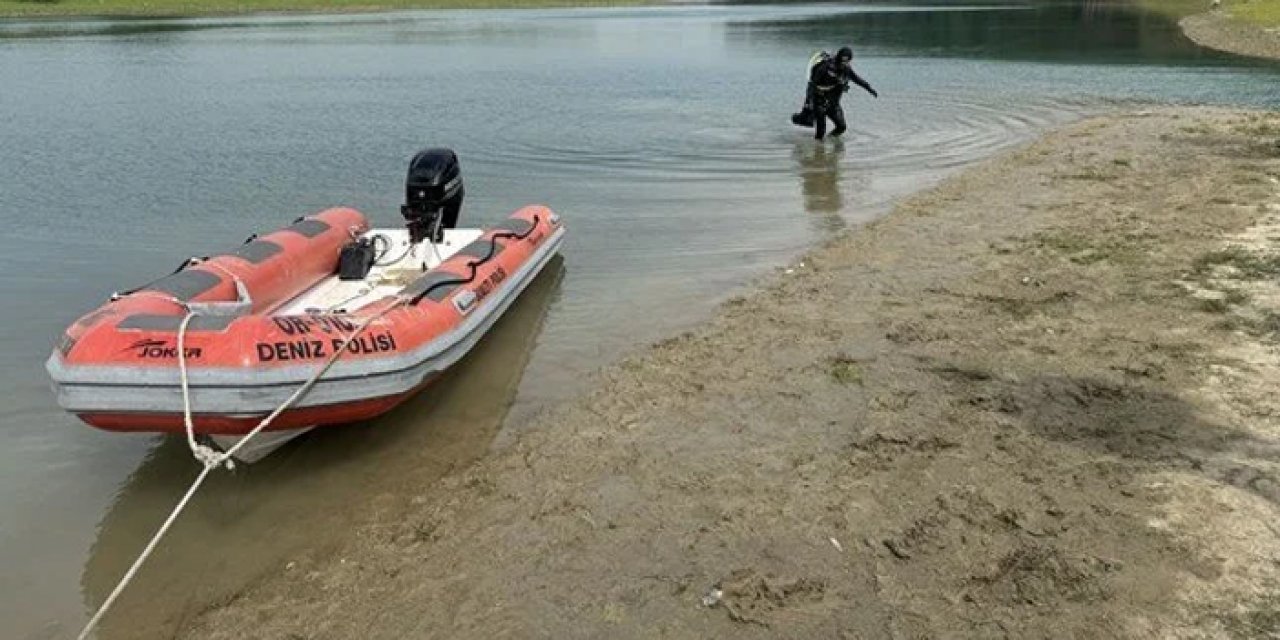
(1084,250)
(1258,129)
(1236,296)
(1230,298)
(1214,305)
(1232,323)
(1265,326)
(1175,9)
(845,370)
(1090,174)
(1264,13)
(175,8)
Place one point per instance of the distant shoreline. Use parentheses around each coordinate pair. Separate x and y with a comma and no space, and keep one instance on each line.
(105,9)
(1239,27)
(1219,32)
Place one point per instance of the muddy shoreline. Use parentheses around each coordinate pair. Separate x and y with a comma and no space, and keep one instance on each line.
(1035,401)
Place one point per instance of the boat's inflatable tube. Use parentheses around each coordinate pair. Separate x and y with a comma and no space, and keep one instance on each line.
(117,367)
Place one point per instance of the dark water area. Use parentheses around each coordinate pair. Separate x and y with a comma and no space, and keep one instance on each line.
(1092,32)
(660,133)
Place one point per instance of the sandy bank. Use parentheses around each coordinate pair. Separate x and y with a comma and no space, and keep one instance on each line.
(1036,401)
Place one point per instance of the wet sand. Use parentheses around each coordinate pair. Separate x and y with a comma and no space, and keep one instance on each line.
(1035,401)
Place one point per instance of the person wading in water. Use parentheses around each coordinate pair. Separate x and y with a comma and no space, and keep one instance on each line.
(829,79)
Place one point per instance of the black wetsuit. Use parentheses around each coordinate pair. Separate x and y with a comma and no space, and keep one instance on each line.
(827,82)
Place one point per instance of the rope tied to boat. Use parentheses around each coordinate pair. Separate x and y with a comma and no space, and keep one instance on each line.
(210,458)
(203,453)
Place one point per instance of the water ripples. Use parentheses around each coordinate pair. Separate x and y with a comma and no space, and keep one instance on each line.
(929,131)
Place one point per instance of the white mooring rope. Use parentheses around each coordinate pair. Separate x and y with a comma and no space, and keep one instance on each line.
(208,457)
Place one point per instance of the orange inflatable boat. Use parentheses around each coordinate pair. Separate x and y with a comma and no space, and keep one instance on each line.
(257,323)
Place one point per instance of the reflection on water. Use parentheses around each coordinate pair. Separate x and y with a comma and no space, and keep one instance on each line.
(819,169)
(298,501)
(1074,32)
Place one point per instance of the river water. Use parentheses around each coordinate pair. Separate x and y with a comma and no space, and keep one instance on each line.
(660,133)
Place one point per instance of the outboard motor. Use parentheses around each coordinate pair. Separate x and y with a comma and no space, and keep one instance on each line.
(432,194)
